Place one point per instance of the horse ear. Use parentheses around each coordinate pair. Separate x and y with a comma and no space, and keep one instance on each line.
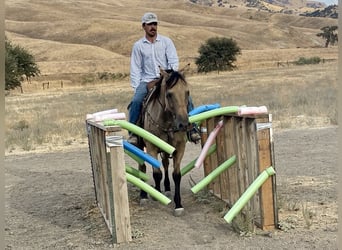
(185,69)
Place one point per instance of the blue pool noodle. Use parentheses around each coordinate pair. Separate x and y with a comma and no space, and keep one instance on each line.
(204,108)
(138,152)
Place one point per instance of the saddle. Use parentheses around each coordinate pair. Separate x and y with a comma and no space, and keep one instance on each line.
(152,83)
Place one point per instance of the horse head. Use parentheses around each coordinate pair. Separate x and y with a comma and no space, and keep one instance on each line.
(176,97)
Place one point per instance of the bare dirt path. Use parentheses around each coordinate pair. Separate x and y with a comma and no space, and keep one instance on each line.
(50,203)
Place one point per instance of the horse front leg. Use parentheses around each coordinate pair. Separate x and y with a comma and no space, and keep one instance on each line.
(167,186)
(157,173)
(179,210)
(157,176)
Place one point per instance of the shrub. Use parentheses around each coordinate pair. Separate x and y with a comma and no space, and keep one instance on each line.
(18,63)
(311,60)
(218,53)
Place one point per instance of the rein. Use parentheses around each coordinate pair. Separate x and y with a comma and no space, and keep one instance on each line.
(166,130)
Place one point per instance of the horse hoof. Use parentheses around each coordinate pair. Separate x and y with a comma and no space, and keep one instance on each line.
(143,202)
(178,212)
(168,194)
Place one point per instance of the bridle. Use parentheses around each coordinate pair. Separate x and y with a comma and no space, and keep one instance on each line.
(169,130)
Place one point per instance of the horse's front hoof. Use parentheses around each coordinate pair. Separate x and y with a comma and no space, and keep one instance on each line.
(168,194)
(178,212)
(143,202)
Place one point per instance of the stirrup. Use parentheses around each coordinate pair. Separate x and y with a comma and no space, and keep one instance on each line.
(195,137)
(133,139)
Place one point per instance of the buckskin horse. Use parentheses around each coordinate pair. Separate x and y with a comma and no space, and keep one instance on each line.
(165,115)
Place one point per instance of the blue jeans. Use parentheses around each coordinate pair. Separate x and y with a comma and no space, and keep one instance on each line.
(136,104)
(190,104)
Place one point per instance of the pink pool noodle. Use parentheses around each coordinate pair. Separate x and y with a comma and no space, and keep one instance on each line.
(105,112)
(208,143)
(252,110)
(109,111)
(115,116)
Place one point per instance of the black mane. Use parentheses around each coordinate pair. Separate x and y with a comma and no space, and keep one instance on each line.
(174,78)
(170,82)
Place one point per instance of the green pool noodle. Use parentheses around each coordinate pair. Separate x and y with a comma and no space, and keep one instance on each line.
(214,112)
(142,133)
(134,157)
(191,164)
(137,173)
(148,189)
(247,195)
(213,174)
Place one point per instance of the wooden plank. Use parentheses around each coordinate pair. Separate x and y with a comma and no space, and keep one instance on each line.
(120,195)
(98,168)
(245,170)
(230,151)
(253,166)
(222,157)
(234,185)
(209,163)
(103,168)
(92,152)
(215,184)
(243,155)
(204,137)
(265,161)
(110,214)
(274,177)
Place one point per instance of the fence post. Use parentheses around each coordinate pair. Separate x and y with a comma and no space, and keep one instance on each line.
(121,228)
(109,176)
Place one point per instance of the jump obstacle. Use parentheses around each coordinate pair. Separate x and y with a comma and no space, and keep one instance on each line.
(238,164)
(249,138)
(110,174)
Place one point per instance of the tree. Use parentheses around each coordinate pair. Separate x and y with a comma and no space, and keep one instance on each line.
(218,53)
(19,64)
(329,34)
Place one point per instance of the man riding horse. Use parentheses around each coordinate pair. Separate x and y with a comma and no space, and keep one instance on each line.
(149,54)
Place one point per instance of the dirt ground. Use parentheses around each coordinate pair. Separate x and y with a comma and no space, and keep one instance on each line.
(50,203)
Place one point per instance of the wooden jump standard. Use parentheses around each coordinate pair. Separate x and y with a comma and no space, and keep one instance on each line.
(109,176)
(249,137)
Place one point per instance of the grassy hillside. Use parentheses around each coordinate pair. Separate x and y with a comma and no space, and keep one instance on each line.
(72,40)
(94,36)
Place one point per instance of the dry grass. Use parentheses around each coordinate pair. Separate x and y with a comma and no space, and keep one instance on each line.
(74,41)
(297,96)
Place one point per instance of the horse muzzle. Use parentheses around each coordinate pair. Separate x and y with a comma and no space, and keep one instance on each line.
(182,122)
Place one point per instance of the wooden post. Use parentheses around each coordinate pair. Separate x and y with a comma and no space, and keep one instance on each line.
(222,156)
(267,194)
(109,176)
(121,228)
